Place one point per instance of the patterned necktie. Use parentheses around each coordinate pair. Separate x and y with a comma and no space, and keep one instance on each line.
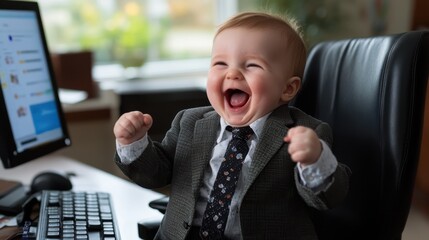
(217,209)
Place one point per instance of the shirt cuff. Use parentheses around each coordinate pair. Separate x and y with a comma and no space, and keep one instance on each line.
(317,174)
(129,153)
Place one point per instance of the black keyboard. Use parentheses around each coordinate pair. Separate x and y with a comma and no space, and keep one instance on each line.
(76,215)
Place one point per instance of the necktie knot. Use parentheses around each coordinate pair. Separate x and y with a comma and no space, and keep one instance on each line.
(244,133)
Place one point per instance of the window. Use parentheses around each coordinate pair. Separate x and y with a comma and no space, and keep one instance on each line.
(128,33)
(132,33)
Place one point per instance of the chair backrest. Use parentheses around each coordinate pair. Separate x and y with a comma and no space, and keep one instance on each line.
(371,91)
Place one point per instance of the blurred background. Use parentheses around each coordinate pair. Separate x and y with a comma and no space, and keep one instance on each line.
(135,33)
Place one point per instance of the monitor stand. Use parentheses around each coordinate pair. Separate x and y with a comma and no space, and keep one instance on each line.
(12,195)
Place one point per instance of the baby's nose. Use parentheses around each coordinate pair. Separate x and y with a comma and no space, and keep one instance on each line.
(234,74)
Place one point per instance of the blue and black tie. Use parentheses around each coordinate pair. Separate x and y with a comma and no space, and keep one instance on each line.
(217,209)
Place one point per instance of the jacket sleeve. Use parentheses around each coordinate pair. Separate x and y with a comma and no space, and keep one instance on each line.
(153,168)
(338,183)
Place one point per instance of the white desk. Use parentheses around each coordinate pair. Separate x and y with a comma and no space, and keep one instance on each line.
(130,202)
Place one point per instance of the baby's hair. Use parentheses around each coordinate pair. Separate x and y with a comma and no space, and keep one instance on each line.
(297,50)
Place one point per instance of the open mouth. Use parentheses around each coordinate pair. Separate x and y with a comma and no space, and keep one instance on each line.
(236,98)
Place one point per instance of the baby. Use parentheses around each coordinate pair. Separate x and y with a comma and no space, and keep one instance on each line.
(284,162)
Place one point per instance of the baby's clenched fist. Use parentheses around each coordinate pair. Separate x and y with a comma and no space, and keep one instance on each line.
(132,126)
(304,145)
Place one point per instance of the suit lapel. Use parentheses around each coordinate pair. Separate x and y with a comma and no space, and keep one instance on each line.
(271,139)
(205,134)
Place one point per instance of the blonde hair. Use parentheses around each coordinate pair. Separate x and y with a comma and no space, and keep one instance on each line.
(294,43)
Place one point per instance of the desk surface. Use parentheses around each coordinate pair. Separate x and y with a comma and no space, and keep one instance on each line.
(130,201)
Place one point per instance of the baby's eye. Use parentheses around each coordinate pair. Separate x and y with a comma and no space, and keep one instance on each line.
(219,63)
(254,65)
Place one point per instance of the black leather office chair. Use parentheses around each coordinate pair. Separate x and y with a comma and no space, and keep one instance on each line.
(372,92)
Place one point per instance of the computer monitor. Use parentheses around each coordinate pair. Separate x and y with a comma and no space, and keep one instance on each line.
(32,122)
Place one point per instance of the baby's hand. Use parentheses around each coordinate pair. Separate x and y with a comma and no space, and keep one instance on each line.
(304,145)
(132,126)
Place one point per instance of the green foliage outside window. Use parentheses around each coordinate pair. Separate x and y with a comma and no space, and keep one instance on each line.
(120,36)
(120,31)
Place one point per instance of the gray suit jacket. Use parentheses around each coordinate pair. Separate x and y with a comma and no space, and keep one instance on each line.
(275,204)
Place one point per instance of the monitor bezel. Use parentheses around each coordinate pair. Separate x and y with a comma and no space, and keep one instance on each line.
(8,149)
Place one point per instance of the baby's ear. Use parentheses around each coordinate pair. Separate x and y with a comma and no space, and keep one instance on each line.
(291,88)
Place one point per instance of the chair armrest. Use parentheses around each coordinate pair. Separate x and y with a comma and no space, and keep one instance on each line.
(147,228)
(160,204)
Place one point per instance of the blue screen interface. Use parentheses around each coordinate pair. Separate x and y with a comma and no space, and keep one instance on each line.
(26,81)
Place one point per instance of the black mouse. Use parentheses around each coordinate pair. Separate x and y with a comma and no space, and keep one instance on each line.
(50,181)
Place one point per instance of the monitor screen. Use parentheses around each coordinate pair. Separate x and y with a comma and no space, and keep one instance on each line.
(31,119)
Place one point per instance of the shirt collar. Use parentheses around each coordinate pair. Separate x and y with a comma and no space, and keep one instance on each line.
(256,127)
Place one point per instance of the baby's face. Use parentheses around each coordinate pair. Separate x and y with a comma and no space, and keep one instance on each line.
(249,74)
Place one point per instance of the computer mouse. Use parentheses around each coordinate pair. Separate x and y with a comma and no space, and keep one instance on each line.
(50,181)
